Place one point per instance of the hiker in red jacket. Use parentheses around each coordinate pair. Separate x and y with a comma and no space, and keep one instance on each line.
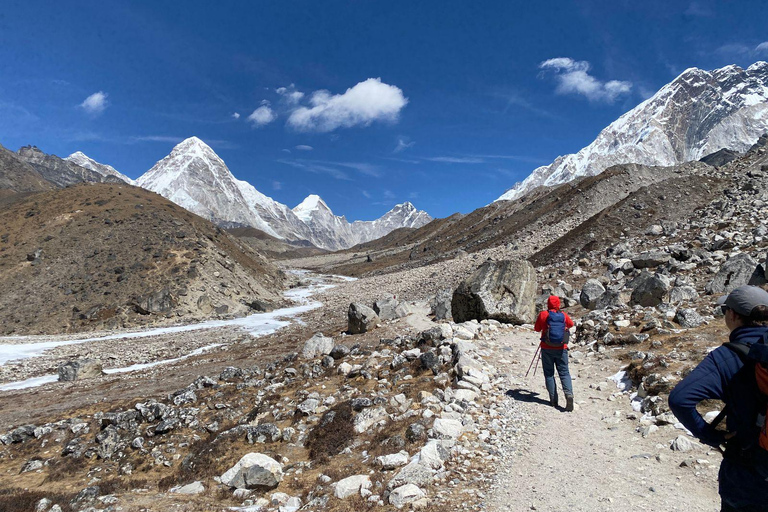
(553,325)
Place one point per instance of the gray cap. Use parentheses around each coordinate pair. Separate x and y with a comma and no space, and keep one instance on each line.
(744,299)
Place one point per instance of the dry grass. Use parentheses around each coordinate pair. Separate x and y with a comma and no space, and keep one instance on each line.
(334,433)
(24,500)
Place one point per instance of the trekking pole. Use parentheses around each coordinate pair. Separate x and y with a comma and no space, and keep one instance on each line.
(537,364)
(533,361)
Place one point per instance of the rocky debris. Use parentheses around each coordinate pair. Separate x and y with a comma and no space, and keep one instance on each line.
(503,291)
(80,369)
(161,301)
(649,289)
(385,308)
(254,471)
(361,318)
(193,488)
(317,345)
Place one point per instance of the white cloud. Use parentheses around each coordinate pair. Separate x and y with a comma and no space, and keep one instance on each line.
(95,103)
(388,194)
(365,194)
(236,115)
(573,78)
(277,185)
(361,105)
(290,94)
(456,160)
(304,147)
(403,143)
(762,48)
(262,116)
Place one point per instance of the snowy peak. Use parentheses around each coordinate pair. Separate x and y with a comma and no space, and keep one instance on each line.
(697,114)
(309,206)
(194,177)
(83,160)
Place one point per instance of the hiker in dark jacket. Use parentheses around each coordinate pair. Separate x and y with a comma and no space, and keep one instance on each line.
(722,375)
(554,352)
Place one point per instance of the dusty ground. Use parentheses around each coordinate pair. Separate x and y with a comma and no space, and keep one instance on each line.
(592,459)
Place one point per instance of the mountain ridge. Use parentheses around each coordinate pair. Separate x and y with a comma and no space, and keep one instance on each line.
(697,114)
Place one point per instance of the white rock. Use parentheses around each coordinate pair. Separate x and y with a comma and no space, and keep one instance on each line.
(392,461)
(434,454)
(351,485)
(292,505)
(317,345)
(369,417)
(193,488)
(447,428)
(682,444)
(404,495)
(254,470)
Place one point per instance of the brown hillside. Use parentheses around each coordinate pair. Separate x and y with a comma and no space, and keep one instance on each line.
(18,176)
(96,256)
(272,247)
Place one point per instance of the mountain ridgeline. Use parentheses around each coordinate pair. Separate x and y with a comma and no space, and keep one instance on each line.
(697,114)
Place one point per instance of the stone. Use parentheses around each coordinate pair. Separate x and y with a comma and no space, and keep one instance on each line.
(385,308)
(308,406)
(441,306)
(405,495)
(361,318)
(339,352)
(292,504)
(193,488)
(434,454)
(264,433)
(254,471)
(682,444)
(415,432)
(683,294)
(392,461)
(650,259)
(611,298)
(688,318)
(447,428)
(158,302)
(649,290)
(352,485)
(369,417)
(35,464)
(500,290)
(590,293)
(430,361)
(80,369)
(317,345)
(413,473)
(404,309)
(108,441)
(737,271)
(43,505)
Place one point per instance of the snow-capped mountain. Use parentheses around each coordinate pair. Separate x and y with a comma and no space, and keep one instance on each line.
(194,177)
(83,160)
(698,113)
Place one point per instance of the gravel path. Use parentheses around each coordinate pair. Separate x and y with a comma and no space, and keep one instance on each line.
(592,459)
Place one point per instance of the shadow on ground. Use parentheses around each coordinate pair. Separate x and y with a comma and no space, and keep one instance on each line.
(526,395)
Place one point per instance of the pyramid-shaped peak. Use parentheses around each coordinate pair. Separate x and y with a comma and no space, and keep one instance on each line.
(310,204)
(192,144)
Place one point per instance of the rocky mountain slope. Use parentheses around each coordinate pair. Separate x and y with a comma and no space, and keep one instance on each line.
(193,176)
(87,162)
(112,255)
(698,113)
(17,176)
(61,172)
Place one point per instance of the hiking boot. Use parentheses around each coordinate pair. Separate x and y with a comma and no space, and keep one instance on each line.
(569,403)
(553,400)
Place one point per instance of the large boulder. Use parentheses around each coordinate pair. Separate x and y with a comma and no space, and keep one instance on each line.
(688,318)
(405,494)
(351,486)
(158,302)
(649,290)
(317,345)
(501,290)
(385,308)
(254,471)
(737,271)
(81,369)
(361,318)
(683,293)
(441,306)
(610,298)
(590,293)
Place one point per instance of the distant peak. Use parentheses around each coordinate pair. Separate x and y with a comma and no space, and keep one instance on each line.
(192,142)
(78,154)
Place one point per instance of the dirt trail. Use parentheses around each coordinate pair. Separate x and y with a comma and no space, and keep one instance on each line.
(592,459)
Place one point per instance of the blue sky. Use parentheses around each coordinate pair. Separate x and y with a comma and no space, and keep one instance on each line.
(442,103)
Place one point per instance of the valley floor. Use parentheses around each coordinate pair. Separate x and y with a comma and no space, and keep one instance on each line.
(594,459)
